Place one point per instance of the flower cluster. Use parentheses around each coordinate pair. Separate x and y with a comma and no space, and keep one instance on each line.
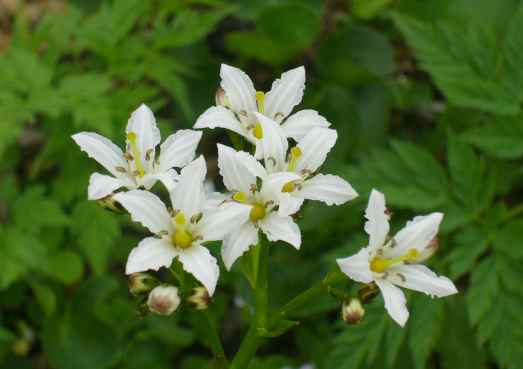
(264,189)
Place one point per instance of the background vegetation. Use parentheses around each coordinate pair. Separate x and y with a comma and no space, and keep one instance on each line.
(425,94)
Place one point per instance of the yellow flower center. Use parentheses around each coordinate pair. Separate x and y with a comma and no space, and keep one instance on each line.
(131,136)
(257,131)
(294,156)
(181,237)
(260,101)
(288,187)
(240,197)
(257,212)
(379,265)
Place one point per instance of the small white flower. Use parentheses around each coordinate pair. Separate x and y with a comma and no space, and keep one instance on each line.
(304,159)
(237,101)
(138,167)
(194,220)
(163,300)
(250,184)
(395,262)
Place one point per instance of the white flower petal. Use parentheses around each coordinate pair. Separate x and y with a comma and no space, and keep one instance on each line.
(357,266)
(395,302)
(273,184)
(278,228)
(286,92)
(179,149)
(189,194)
(168,178)
(214,199)
(198,261)
(151,254)
(417,234)
(102,150)
(216,224)
(289,204)
(101,186)
(219,116)
(143,124)
(238,88)
(236,176)
(330,189)
(146,209)
(274,144)
(422,279)
(302,122)
(314,148)
(377,224)
(253,165)
(238,242)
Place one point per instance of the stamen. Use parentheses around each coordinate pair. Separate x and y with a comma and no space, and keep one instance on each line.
(181,237)
(379,264)
(131,136)
(240,197)
(260,101)
(179,219)
(288,187)
(257,131)
(294,156)
(257,212)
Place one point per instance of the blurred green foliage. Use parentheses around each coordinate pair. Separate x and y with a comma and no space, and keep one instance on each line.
(425,94)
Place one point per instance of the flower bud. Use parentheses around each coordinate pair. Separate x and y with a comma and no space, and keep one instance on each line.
(199,299)
(221,98)
(352,312)
(140,283)
(163,300)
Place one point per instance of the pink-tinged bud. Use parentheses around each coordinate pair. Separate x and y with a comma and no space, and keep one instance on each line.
(221,98)
(199,299)
(352,312)
(163,300)
(141,283)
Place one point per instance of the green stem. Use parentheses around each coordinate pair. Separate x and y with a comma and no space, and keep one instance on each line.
(310,294)
(512,213)
(252,340)
(215,341)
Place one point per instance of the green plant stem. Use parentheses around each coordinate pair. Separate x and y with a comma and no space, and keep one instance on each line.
(309,294)
(252,340)
(215,341)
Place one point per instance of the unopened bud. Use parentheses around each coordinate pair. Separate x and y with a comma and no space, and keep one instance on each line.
(163,300)
(109,203)
(352,312)
(200,298)
(221,97)
(140,283)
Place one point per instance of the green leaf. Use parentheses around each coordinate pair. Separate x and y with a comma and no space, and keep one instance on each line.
(467,247)
(425,327)
(483,290)
(95,231)
(500,137)
(33,210)
(266,50)
(46,297)
(367,9)
(292,26)
(509,240)
(473,65)
(65,266)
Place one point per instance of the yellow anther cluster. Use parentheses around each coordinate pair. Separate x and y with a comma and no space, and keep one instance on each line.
(257,212)
(379,265)
(181,237)
(131,136)
(288,187)
(260,101)
(257,131)
(296,153)
(240,197)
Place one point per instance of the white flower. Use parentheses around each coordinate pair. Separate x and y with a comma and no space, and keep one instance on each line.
(237,101)
(163,300)
(395,262)
(138,167)
(194,220)
(241,173)
(303,159)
